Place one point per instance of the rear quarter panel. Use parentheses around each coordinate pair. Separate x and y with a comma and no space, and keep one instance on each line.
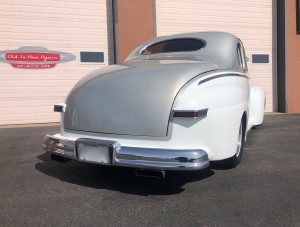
(256,106)
(226,95)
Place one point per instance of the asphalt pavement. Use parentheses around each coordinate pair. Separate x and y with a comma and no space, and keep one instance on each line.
(264,190)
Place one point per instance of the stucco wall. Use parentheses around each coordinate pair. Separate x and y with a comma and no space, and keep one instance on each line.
(251,21)
(28,95)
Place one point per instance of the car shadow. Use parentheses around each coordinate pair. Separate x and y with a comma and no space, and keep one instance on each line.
(118,178)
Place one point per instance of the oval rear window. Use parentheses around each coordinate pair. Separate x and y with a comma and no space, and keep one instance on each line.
(174,45)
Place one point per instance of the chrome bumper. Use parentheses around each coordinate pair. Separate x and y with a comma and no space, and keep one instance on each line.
(145,158)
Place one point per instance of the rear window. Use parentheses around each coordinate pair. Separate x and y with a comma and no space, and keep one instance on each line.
(174,45)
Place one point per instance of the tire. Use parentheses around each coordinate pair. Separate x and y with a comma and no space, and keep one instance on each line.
(235,160)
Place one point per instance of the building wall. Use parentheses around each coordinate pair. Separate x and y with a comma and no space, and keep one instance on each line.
(251,21)
(28,95)
(135,25)
(293,60)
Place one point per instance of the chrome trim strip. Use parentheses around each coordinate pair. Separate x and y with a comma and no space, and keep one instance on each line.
(134,157)
(222,75)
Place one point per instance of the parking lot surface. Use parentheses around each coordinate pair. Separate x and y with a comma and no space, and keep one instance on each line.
(264,190)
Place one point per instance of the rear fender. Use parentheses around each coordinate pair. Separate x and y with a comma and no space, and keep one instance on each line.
(226,99)
(256,106)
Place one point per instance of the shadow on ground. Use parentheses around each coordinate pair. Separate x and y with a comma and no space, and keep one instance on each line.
(117,178)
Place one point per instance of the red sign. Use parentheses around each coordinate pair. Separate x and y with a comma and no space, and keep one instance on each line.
(32,57)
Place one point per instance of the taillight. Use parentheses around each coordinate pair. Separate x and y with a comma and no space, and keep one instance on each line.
(190,113)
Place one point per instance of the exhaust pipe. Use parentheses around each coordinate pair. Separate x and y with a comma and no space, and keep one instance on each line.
(150,173)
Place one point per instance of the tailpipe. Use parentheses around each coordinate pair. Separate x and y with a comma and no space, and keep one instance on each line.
(150,173)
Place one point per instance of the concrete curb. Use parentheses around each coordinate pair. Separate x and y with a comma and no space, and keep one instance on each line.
(31,125)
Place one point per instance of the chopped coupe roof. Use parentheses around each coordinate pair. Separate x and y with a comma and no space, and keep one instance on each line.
(220,49)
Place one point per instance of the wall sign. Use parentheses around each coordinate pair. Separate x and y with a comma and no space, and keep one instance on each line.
(91,57)
(260,58)
(34,57)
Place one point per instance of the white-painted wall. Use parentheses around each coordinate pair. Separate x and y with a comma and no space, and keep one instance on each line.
(28,95)
(251,21)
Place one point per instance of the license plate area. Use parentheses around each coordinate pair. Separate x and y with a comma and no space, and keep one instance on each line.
(94,151)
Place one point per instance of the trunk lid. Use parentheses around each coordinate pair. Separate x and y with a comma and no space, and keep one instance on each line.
(131,99)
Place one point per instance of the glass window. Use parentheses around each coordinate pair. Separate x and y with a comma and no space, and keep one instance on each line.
(174,45)
(244,57)
(241,56)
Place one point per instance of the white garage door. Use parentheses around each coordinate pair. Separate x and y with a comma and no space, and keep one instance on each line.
(251,21)
(28,86)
